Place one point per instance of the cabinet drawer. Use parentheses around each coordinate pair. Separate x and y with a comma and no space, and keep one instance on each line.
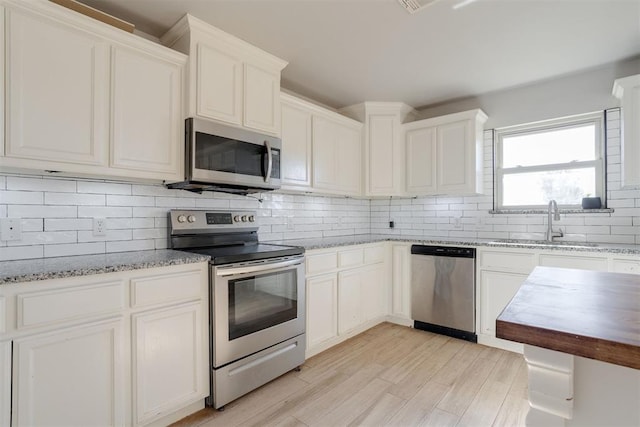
(321,263)
(41,308)
(579,262)
(374,254)
(629,266)
(350,258)
(166,288)
(508,261)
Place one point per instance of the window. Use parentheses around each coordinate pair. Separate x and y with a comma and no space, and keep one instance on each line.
(559,160)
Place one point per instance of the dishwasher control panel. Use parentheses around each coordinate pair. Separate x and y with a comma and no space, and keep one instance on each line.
(443,251)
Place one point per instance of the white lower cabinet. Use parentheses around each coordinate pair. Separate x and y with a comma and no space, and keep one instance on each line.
(582,262)
(167,360)
(347,292)
(349,300)
(625,265)
(322,309)
(73,376)
(123,348)
(401,283)
(496,290)
(5,383)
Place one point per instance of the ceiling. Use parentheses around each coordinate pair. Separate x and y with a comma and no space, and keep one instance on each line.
(343,52)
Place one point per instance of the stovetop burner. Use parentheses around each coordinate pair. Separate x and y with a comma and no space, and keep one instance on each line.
(226,236)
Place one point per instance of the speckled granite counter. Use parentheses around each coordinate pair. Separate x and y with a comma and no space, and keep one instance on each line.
(55,268)
(329,242)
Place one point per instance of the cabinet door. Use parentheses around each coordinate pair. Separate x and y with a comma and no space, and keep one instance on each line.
(325,154)
(5,383)
(373,292)
(168,370)
(296,146)
(401,281)
(261,99)
(147,115)
(421,155)
(349,160)
(219,85)
(496,290)
(381,155)
(57,92)
(69,377)
(322,305)
(455,151)
(629,266)
(349,300)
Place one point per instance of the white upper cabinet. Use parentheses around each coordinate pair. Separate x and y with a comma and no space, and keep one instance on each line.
(57,91)
(627,90)
(384,150)
(296,144)
(337,153)
(229,80)
(86,99)
(147,118)
(421,160)
(445,154)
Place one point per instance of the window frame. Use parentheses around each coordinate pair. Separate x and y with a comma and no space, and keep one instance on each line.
(596,118)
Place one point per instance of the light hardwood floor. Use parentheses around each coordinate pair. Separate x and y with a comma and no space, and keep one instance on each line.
(390,375)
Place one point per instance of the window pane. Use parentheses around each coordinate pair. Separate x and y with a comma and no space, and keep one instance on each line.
(567,187)
(549,147)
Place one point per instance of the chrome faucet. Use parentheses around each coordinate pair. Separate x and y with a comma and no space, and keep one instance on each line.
(553,207)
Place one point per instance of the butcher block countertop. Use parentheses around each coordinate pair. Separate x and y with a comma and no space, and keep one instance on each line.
(584,313)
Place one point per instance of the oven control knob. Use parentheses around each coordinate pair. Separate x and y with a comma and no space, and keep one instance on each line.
(181,218)
(244,218)
(236,218)
(191,218)
(252,218)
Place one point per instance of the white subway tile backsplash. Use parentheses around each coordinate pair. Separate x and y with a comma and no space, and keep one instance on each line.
(74,249)
(103,187)
(121,200)
(65,224)
(41,211)
(104,211)
(41,184)
(74,199)
(21,197)
(130,245)
(21,252)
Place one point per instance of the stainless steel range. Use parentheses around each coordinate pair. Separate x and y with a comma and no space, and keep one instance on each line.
(256,300)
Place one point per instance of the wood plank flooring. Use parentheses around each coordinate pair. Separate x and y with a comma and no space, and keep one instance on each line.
(390,375)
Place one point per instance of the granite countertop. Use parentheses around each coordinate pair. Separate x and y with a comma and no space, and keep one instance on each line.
(83,265)
(584,313)
(330,242)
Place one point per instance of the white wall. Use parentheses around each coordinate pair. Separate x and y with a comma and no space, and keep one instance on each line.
(579,93)
(469,217)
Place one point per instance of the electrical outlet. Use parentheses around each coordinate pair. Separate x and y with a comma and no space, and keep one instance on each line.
(10,229)
(289,223)
(99,227)
(457,222)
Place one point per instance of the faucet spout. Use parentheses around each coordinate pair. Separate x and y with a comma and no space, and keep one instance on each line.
(553,208)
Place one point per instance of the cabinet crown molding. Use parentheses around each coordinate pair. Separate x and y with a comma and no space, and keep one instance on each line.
(360,111)
(619,85)
(197,29)
(477,114)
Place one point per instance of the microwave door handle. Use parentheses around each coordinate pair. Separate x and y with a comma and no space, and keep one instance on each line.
(269,161)
(232,271)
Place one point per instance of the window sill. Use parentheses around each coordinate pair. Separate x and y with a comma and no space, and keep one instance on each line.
(545,211)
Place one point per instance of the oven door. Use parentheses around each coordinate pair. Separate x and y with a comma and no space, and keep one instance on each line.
(255,305)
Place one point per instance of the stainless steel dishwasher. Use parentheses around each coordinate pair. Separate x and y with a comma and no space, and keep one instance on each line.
(443,290)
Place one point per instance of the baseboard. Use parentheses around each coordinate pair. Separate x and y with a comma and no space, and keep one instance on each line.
(403,321)
(178,415)
(492,341)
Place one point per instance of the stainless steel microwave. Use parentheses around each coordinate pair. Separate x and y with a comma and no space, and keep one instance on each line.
(224,158)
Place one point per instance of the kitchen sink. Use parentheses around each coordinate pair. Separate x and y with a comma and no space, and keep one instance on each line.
(543,243)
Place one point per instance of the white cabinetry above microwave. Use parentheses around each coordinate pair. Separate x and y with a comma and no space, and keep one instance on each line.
(86,99)
(627,90)
(229,80)
(444,155)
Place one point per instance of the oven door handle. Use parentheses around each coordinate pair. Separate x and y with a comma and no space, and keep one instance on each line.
(233,271)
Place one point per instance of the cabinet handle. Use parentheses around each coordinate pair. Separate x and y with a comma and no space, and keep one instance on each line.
(269,162)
